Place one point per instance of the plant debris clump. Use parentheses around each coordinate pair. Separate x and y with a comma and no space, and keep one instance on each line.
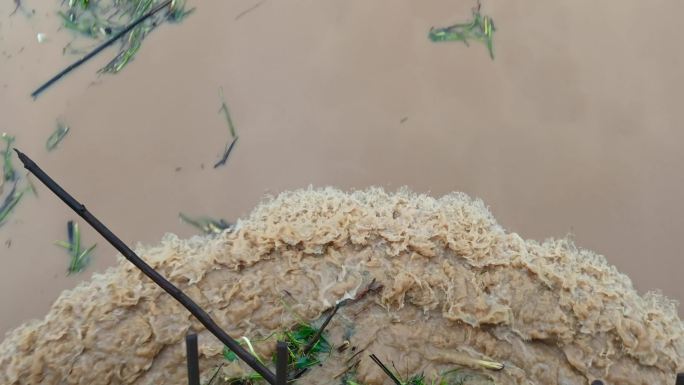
(98,20)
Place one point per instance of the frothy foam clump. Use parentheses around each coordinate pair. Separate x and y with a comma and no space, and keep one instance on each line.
(456,288)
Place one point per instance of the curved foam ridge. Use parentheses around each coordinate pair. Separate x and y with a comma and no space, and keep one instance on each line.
(455,287)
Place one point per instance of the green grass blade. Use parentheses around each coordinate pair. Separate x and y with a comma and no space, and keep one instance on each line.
(224,108)
(57,136)
(9,204)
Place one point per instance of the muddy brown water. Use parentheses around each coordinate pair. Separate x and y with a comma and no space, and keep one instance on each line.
(576,127)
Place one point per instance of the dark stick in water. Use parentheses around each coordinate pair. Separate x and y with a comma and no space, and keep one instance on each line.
(99,48)
(281,363)
(16,8)
(211,380)
(132,257)
(385,369)
(312,342)
(318,334)
(226,153)
(192,356)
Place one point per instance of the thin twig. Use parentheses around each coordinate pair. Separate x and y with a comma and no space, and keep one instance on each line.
(356,354)
(226,153)
(385,369)
(250,9)
(132,257)
(99,48)
(211,380)
(312,342)
(318,334)
(192,355)
(18,5)
(350,367)
(281,363)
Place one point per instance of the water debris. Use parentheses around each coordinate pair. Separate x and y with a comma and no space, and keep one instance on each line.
(313,341)
(386,369)
(305,345)
(215,375)
(57,136)
(9,173)
(9,203)
(457,376)
(224,109)
(206,225)
(481,28)
(131,20)
(200,314)
(12,199)
(231,127)
(17,5)
(226,153)
(248,10)
(79,258)
(15,195)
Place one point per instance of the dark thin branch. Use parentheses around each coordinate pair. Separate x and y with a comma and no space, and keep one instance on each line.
(281,363)
(132,257)
(99,48)
(248,10)
(226,153)
(356,354)
(211,380)
(17,4)
(318,334)
(312,342)
(192,357)
(385,369)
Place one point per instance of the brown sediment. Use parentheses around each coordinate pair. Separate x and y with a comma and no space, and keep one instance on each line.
(456,288)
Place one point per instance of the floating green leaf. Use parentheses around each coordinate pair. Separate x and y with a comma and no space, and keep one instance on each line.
(481,28)
(9,174)
(79,258)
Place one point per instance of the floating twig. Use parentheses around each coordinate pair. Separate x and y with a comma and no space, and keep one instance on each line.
(211,380)
(356,354)
(385,369)
(17,4)
(192,358)
(226,153)
(314,340)
(282,356)
(98,49)
(57,136)
(224,109)
(199,313)
(248,10)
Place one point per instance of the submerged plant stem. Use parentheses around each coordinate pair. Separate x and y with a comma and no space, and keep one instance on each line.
(481,28)
(224,108)
(57,136)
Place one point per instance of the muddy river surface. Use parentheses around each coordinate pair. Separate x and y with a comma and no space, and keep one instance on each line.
(575,128)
